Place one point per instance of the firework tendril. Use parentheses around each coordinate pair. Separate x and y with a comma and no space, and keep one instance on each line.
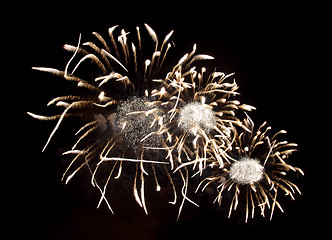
(145,116)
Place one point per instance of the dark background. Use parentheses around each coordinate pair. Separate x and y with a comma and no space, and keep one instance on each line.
(268,47)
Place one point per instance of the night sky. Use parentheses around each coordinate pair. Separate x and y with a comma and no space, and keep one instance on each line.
(266,46)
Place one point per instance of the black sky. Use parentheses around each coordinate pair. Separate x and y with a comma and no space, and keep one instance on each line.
(266,46)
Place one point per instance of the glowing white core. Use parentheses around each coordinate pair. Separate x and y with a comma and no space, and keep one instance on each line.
(196,115)
(246,171)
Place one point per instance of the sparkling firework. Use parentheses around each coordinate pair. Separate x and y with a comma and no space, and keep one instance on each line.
(152,118)
(258,169)
(118,118)
(201,110)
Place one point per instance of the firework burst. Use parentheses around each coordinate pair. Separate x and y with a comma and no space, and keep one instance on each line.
(118,119)
(258,169)
(200,110)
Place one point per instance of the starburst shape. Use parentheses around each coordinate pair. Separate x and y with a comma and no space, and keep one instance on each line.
(113,76)
(258,170)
